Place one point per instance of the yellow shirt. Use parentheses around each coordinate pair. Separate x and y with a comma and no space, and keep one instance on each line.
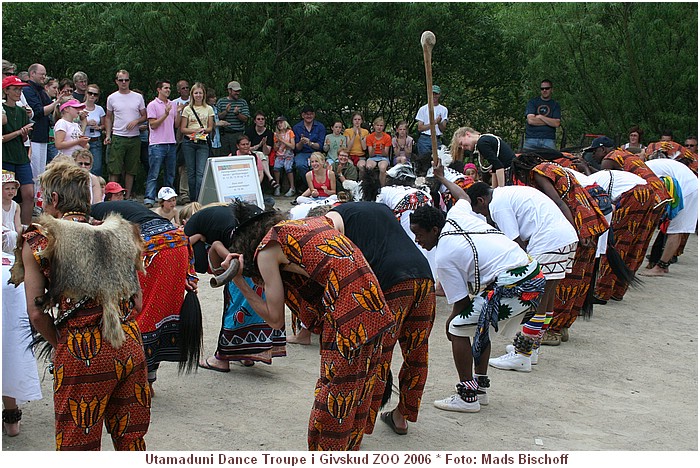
(204,112)
(356,149)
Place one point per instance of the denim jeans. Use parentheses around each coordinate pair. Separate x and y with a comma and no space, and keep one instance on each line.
(196,155)
(157,155)
(534,143)
(425,144)
(51,152)
(96,150)
(301,162)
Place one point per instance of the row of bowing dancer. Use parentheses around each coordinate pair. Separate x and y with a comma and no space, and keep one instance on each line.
(550,237)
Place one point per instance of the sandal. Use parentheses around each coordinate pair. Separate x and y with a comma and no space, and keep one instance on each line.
(10,421)
(208,366)
(388,418)
(274,184)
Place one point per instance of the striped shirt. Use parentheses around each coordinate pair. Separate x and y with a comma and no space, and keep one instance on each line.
(236,124)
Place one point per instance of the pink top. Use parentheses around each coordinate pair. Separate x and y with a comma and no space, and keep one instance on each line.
(165,133)
(126,108)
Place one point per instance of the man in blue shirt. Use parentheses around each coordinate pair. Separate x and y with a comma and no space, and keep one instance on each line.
(543,117)
(308,136)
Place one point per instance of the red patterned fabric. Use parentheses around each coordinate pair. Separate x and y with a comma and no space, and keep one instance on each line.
(413,304)
(589,220)
(676,151)
(93,381)
(572,290)
(633,163)
(590,223)
(633,223)
(341,301)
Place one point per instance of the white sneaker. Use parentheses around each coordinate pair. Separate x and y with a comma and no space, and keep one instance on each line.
(277,192)
(534,357)
(290,193)
(512,361)
(482,397)
(456,403)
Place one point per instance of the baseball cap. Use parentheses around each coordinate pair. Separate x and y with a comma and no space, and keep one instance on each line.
(114,187)
(281,118)
(9,177)
(12,80)
(166,193)
(72,103)
(600,142)
(234,85)
(436,89)
(307,108)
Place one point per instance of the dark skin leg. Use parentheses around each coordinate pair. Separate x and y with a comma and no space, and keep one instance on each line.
(464,360)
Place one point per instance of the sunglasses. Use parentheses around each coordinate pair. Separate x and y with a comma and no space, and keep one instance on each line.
(84,164)
(544,88)
(123,80)
(184,87)
(93,94)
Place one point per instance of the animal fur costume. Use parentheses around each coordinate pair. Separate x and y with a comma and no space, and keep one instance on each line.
(97,262)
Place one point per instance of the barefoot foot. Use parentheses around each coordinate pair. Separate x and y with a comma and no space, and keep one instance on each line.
(301,338)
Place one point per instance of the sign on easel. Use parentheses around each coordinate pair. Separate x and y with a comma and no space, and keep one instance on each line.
(231,177)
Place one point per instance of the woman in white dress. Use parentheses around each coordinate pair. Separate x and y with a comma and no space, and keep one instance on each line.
(20,378)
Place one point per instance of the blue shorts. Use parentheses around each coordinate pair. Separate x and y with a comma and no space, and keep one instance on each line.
(23,172)
(286,162)
(379,159)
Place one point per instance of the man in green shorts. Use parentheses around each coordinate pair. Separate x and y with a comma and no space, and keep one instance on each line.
(126,110)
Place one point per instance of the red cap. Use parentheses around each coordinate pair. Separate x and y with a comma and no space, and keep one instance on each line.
(114,187)
(12,80)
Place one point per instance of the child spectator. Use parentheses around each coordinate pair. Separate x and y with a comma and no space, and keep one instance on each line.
(68,135)
(402,144)
(11,223)
(333,142)
(284,154)
(356,142)
(188,210)
(378,145)
(167,200)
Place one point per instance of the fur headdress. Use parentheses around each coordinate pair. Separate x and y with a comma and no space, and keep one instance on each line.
(97,262)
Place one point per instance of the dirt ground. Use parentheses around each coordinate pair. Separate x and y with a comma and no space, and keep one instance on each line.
(626,381)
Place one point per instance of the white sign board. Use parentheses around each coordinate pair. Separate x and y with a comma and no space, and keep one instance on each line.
(230,177)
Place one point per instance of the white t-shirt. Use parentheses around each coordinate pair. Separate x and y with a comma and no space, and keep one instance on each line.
(423,116)
(455,258)
(9,230)
(391,195)
(527,213)
(677,170)
(126,108)
(617,182)
(179,101)
(96,114)
(73,132)
(582,179)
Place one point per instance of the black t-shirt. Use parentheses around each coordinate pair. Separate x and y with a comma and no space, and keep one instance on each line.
(255,138)
(496,151)
(389,250)
(130,210)
(214,223)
